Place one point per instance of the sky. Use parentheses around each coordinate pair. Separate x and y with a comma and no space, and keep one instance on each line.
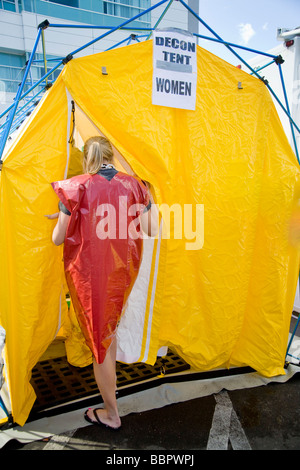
(250,23)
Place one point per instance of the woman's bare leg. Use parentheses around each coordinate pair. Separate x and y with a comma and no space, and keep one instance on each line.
(105,375)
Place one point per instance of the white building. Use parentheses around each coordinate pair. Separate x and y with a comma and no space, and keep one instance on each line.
(19,20)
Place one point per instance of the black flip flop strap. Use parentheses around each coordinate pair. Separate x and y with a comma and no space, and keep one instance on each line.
(97,418)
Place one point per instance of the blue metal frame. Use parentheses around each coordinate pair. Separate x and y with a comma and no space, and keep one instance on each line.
(12,109)
(161,17)
(87,26)
(15,117)
(11,116)
(116,28)
(32,88)
(254,72)
(263,67)
(291,340)
(2,405)
(288,109)
(7,126)
(226,43)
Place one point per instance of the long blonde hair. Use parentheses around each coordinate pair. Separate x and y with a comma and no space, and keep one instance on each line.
(96,150)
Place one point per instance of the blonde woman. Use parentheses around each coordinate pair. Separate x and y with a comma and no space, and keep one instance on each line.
(100,220)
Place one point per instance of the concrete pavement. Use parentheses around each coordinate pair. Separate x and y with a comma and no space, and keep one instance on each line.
(266,417)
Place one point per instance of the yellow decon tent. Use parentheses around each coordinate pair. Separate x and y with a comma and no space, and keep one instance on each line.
(221,294)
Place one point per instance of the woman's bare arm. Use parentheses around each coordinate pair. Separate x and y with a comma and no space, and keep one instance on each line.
(149,219)
(59,232)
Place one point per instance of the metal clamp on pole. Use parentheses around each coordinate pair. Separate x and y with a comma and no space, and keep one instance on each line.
(279,60)
(67,59)
(264,80)
(44,24)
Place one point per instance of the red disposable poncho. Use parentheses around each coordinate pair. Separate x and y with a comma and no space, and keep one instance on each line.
(102,250)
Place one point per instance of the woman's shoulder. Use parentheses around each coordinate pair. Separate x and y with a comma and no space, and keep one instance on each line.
(81,177)
(132,178)
(72,184)
(77,180)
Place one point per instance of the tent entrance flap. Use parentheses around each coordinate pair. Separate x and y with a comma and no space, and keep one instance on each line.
(227,304)
(83,128)
(134,330)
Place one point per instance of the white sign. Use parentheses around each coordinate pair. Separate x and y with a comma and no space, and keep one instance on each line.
(174,69)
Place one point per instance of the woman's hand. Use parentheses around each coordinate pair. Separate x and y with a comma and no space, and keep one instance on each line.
(59,232)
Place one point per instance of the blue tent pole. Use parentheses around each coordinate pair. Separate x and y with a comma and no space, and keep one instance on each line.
(226,43)
(244,62)
(85,26)
(27,103)
(122,25)
(119,43)
(118,27)
(54,59)
(292,337)
(288,109)
(219,37)
(20,117)
(160,18)
(2,405)
(264,66)
(221,40)
(18,96)
(33,87)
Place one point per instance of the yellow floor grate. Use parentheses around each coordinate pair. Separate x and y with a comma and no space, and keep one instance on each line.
(56,382)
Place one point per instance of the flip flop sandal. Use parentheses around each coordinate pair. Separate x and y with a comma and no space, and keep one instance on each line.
(98,422)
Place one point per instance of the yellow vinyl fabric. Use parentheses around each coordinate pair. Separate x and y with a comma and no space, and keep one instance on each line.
(32,297)
(226,303)
(78,353)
